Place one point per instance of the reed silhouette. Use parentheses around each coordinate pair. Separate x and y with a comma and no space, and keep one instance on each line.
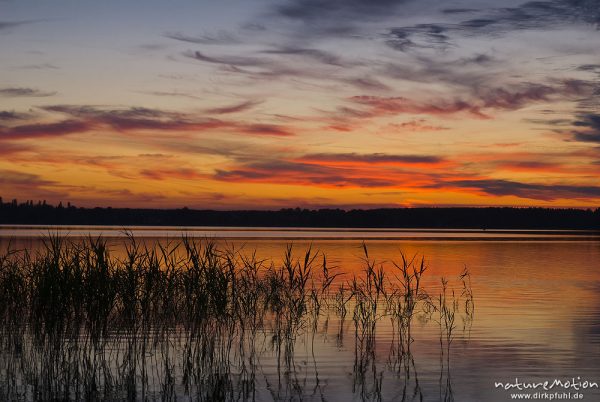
(191,319)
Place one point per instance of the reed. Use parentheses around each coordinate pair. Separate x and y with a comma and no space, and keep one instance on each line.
(83,324)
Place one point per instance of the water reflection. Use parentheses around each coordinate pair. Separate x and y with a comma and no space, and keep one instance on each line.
(157,334)
(142,366)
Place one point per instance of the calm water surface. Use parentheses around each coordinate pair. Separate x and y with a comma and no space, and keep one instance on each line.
(537,310)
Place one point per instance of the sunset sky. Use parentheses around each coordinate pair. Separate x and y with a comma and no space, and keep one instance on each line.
(312,103)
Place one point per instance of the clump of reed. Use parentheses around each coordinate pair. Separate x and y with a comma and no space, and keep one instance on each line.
(81,323)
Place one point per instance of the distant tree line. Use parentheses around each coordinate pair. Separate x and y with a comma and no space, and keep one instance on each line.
(42,213)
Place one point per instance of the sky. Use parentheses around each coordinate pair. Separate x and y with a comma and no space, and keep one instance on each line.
(265,104)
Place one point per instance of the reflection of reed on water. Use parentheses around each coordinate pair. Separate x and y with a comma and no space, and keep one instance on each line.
(189,319)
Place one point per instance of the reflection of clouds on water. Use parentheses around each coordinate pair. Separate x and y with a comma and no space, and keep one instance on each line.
(511,334)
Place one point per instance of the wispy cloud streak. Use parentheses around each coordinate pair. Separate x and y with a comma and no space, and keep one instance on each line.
(240,107)
(15,92)
(83,119)
(220,38)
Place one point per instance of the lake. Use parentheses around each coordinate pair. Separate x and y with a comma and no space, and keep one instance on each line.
(536,318)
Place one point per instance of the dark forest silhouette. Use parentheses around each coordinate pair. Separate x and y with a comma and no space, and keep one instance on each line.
(41,213)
